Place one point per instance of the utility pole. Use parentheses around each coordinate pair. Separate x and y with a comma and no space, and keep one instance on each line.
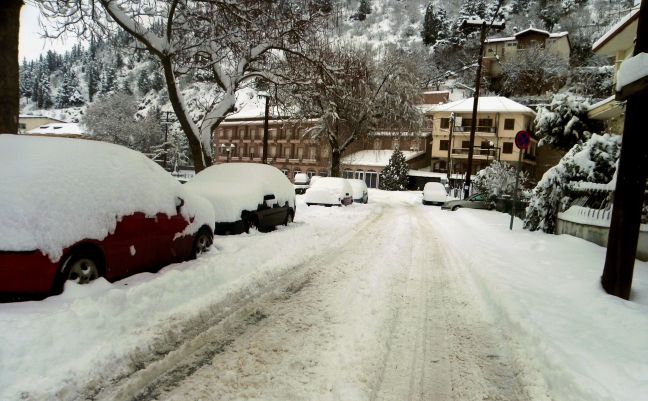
(484,27)
(452,121)
(166,121)
(631,178)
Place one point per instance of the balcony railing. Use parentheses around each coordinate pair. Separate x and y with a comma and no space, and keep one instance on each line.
(477,152)
(466,128)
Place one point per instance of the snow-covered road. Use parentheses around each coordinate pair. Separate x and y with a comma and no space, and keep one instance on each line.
(386,301)
(388,315)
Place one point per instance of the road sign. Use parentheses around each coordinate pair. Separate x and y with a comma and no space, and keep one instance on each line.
(522,139)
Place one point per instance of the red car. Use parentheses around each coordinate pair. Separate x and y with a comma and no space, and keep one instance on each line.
(76,209)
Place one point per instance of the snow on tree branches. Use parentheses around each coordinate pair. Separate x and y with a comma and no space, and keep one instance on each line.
(498,179)
(564,123)
(394,175)
(592,161)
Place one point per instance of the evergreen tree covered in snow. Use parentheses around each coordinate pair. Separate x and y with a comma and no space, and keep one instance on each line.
(44,94)
(498,179)
(591,161)
(69,94)
(435,25)
(108,78)
(143,83)
(92,79)
(394,176)
(564,122)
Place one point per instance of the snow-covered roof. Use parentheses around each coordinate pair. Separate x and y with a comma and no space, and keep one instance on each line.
(422,173)
(58,129)
(26,116)
(633,69)
(618,30)
(486,104)
(377,158)
(512,38)
(532,29)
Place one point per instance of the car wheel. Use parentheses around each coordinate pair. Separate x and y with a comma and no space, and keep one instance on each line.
(82,267)
(202,242)
(289,217)
(455,208)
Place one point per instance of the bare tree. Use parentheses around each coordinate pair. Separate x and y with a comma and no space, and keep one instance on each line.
(9,73)
(353,94)
(231,40)
(534,71)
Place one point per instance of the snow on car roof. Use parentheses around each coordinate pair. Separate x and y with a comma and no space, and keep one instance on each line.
(57,191)
(377,158)
(234,187)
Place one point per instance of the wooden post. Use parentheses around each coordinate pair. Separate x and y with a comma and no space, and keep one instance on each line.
(630,186)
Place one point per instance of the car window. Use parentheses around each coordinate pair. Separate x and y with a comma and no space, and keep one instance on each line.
(479,197)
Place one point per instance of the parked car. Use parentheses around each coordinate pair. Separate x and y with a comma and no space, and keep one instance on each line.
(75,209)
(477,201)
(301,183)
(329,191)
(246,195)
(360,191)
(434,193)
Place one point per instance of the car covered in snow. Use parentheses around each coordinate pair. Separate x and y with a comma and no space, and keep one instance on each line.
(302,182)
(75,209)
(246,195)
(434,193)
(329,191)
(360,191)
(477,201)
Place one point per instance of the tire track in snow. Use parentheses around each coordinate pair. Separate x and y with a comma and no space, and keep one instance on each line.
(177,356)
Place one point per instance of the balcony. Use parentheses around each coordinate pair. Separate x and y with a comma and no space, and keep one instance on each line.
(478,153)
(480,129)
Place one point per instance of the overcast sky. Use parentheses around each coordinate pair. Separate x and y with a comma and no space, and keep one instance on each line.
(31,44)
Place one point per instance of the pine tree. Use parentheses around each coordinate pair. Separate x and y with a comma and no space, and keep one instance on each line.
(108,80)
(65,93)
(157,81)
(363,10)
(434,25)
(394,176)
(92,79)
(143,83)
(44,93)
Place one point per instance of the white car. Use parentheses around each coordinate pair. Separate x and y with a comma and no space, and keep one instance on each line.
(329,191)
(302,182)
(434,193)
(360,192)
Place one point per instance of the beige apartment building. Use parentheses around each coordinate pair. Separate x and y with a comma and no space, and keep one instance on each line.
(617,44)
(500,50)
(498,121)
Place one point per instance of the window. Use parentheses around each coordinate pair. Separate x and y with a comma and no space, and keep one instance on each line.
(253,133)
(347,174)
(359,174)
(310,173)
(466,122)
(396,143)
(444,144)
(300,153)
(323,173)
(312,152)
(371,179)
(376,144)
(221,133)
(252,151)
(295,173)
(445,123)
(325,152)
(273,151)
(285,171)
(509,123)
(485,122)
(228,133)
(465,144)
(507,147)
(415,144)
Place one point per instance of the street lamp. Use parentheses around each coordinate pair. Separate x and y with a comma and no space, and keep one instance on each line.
(266,96)
(483,27)
(166,119)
